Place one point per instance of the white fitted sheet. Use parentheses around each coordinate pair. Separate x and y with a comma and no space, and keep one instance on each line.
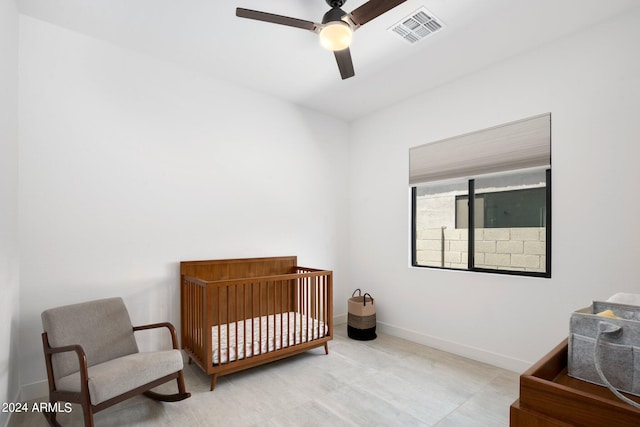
(270,333)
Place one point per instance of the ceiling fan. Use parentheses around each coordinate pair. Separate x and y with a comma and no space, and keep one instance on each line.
(336,29)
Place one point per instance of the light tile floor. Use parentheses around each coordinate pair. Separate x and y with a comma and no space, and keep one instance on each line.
(385,382)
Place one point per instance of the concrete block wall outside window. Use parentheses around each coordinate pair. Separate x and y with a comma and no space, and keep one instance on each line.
(515,249)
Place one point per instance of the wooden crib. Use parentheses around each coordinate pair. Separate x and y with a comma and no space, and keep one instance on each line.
(241,313)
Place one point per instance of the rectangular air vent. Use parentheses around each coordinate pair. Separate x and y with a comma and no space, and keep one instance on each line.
(417,26)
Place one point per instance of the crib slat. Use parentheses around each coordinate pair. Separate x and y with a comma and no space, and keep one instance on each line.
(267,332)
(296,308)
(197,319)
(237,319)
(274,319)
(324,305)
(280,311)
(306,308)
(227,322)
(260,322)
(253,316)
(219,326)
(244,324)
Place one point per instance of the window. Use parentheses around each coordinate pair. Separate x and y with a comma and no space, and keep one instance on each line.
(504,209)
(507,228)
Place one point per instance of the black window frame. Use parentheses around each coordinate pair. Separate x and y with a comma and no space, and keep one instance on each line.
(471,236)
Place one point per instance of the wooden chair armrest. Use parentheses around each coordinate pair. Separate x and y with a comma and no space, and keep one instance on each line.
(75,347)
(82,361)
(169,326)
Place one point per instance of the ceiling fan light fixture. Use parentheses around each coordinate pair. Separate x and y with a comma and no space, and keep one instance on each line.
(335,31)
(336,35)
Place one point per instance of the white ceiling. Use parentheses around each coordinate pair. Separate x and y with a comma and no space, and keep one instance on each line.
(287,62)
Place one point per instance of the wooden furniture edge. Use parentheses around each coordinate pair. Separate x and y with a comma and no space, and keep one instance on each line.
(523,417)
(541,394)
(294,259)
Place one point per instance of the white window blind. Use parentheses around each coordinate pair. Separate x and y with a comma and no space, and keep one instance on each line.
(517,145)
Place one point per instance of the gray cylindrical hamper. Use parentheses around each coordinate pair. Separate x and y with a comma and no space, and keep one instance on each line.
(361,320)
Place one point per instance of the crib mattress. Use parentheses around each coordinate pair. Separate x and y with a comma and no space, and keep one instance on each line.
(270,333)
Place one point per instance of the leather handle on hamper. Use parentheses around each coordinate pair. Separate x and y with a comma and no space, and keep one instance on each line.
(606,328)
(358,291)
(364,300)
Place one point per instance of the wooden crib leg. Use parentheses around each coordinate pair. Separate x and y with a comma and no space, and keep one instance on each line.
(326,348)
(214,377)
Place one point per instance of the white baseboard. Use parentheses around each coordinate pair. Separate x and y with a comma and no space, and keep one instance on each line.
(340,319)
(480,355)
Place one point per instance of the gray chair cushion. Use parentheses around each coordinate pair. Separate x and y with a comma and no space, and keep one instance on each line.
(102,327)
(115,377)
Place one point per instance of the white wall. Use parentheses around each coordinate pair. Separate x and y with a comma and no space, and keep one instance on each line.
(590,82)
(9,284)
(129,165)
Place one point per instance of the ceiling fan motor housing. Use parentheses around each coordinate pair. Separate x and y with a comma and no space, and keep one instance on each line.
(333,15)
(336,3)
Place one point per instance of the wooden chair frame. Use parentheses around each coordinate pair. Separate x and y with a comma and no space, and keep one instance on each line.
(84,399)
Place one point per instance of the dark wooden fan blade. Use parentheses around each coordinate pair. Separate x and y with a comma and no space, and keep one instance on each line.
(343,57)
(275,19)
(372,9)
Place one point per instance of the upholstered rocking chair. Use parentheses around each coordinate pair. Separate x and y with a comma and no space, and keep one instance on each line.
(92,358)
